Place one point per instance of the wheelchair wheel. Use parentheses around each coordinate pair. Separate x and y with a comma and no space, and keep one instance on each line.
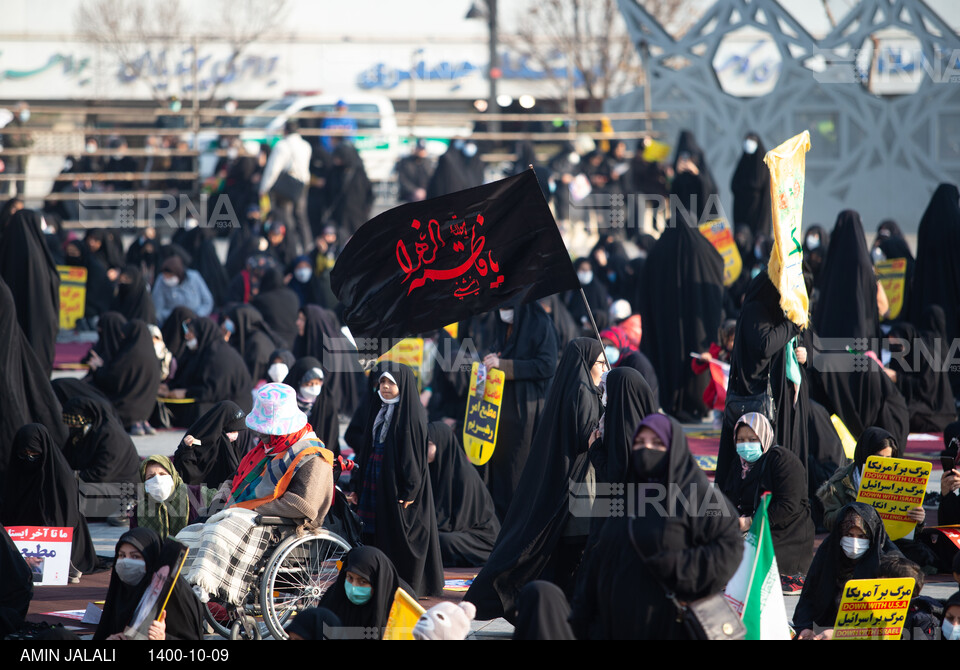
(298,573)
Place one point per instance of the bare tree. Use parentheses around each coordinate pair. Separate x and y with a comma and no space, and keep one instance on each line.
(124,28)
(592,36)
(142,34)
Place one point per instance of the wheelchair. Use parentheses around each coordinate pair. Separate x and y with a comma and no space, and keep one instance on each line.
(292,575)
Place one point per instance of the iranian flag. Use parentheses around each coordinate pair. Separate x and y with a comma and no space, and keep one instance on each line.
(754,590)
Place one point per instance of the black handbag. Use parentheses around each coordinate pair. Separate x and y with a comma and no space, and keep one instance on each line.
(287,186)
(709,618)
(762,403)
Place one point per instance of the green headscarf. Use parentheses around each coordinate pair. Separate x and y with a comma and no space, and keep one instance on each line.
(170,516)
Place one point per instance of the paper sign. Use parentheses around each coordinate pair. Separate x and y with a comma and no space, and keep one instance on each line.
(409,352)
(46,550)
(787,164)
(719,234)
(873,609)
(73,295)
(154,599)
(483,413)
(894,486)
(893,277)
(404,614)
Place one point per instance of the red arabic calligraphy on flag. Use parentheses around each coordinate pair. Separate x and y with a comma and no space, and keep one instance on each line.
(466,243)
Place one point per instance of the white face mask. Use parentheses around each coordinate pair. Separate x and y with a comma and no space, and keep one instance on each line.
(813,242)
(854,547)
(394,401)
(131,571)
(159,487)
(310,392)
(278,372)
(749,146)
(469,149)
(25,116)
(159,349)
(233,435)
(574,158)
(192,344)
(91,147)
(506,315)
(303,274)
(170,281)
(585,277)
(950,632)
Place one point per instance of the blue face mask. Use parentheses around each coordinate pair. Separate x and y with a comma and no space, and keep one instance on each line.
(613,355)
(358,595)
(749,451)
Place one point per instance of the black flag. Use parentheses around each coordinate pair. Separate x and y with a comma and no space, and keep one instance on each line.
(423,265)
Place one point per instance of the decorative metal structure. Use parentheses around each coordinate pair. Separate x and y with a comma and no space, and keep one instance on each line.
(882,155)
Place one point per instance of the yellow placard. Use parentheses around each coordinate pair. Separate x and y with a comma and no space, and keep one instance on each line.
(483,415)
(73,295)
(719,234)
(894,486)
(846,438)
(404,614)
(656,152)
(893,277)
(873,609)
(409,352)
(787,164)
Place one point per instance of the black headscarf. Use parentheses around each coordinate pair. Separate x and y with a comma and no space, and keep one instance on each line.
(16,587)
(872,441)
(253,339)
(751,190)
(27,267)
(350,192)
(184,612)
(131,377)
(464,506)
(29,397)
(105,453)
(862,396)
(374,566)
(344,380)
(847,306)
(216,458)
(687,144)
(278,305)
(408,536)
(814,257)
(831,568)
(110,335)
(323,415)
(133,299)
(172,330)
(629,400)
(452,174)
(44,493)
(542,613)
(936,279)
(214,370)
(693,553)
(539,510)
(925,388)
(198,244)
(681,308)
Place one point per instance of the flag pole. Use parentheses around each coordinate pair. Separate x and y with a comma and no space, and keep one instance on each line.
(596,331)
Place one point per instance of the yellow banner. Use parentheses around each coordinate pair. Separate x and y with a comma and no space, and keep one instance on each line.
(873,609)
(483,415)
(894,486)
(893,277)
(408,352)
(404,614)
(73,295)
(787,164)
(719,234)
(846,439)
(656,152)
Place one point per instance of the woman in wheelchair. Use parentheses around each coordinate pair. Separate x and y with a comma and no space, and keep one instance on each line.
(287,474)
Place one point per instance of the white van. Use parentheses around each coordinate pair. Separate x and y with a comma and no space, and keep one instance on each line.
(377,138)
